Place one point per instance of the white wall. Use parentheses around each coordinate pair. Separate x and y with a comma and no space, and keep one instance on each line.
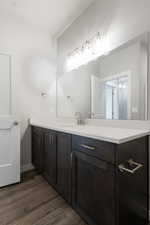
(33,61)
(123,20)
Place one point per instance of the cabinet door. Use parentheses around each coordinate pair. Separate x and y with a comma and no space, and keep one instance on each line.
(93,189)
(63,165)
(37,148)
(133,191)
(50,157)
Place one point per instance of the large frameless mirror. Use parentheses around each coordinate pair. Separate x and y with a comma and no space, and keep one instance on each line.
(114,86)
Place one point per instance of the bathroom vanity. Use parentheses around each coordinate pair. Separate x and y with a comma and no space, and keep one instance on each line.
(105,179)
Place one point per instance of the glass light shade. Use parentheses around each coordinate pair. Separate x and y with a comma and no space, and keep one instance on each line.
(91,50)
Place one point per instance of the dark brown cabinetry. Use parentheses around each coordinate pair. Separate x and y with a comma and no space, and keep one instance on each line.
(133,188)
(50,156)
(93,189)
(110,190)
(106,183)
(63,165)
(37,148)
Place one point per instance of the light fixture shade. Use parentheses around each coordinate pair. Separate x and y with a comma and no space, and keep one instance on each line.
(90,50)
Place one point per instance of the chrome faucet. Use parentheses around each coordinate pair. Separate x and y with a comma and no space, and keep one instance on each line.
(79,118)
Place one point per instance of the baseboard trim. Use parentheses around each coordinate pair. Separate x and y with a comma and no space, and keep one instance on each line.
(27,167)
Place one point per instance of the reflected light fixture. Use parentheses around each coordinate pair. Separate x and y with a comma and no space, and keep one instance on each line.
(89,51)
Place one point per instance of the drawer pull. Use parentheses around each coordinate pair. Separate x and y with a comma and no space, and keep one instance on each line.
(122,168)
(88,147)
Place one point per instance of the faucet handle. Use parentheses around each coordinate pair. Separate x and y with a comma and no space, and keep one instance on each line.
(79,118)
(78,114)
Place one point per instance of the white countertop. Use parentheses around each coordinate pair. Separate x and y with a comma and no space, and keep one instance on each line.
(104,133)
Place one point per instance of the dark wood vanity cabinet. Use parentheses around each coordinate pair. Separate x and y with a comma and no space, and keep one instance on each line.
(50,156)
(63,165)
(93,189)
(105,183)
(133,188)
(37,148)
(110,190)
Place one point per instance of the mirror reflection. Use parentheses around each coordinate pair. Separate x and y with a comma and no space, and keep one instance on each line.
(113,97)
(112,87)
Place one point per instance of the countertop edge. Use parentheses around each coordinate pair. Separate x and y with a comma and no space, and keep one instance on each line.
(101,138)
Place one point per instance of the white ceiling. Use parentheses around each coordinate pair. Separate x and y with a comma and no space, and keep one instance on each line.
(51,15)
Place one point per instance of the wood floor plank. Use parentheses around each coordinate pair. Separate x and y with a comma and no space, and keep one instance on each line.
(41,212)
(11,198)
(62,216)
(10,190)
(26,205)
(35,202)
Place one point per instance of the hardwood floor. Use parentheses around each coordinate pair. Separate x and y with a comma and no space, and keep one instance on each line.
(35,202)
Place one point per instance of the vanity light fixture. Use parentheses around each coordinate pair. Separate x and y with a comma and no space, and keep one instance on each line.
(89,51)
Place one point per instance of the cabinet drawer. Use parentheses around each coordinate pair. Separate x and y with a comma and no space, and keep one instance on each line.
(100,149)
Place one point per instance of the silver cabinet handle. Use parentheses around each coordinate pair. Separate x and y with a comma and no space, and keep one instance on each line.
(88,147)
(71,158)
(122,168)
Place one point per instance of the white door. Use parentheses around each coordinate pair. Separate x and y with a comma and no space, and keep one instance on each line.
(9,130)
(5,84)
(9,151)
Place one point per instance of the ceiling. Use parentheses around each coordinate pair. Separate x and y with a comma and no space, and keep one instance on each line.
(53,16)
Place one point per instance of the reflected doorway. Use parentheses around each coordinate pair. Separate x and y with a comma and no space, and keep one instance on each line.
(113,97)
(116,98)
